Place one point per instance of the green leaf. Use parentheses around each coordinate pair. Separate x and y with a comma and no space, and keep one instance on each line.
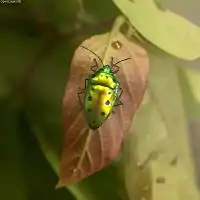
(11,172)
(17,51)
(22,162)
(8,12)
(97,9)
(36,166)
(158,164)
(189,79)
(190,82)
(61,15)
(165,29)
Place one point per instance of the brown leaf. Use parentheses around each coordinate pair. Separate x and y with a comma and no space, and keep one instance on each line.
(86,151)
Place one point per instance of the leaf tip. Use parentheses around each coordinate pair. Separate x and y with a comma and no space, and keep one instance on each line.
(59,185)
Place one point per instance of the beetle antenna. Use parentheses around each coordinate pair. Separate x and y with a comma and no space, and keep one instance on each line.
(122,60)
(93,53)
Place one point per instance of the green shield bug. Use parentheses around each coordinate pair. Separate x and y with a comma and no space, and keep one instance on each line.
(102,92)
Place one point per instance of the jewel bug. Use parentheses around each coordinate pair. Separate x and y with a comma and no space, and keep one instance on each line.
(102,92)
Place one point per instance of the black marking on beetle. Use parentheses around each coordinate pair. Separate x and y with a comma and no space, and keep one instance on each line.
(107,102)
(89,110)
(92,89)
(103,113)
(109,92)
(89,98)
(114,80)
(106,76)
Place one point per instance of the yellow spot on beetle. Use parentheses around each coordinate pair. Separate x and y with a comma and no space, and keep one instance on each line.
(104,79)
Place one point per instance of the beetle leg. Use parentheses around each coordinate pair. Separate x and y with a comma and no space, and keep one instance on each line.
(119,103)
(116,70)
(86,80)
(95,67)
(120,95)
(79,97)
(114,65)
(81,92)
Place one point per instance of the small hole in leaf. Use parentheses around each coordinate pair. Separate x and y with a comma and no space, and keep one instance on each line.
(160,180)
